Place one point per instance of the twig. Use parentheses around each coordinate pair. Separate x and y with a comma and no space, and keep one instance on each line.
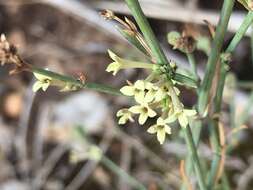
(21,138)
(125,163)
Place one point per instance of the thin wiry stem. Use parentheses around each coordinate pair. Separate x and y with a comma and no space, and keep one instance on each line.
(214,55)
(145,28)
(218,100)
(193,65)
(71,80)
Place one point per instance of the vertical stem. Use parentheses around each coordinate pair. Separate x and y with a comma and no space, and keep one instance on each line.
(192,62)
(218,100)
(215,54)
(217,153)
(240,32)
(145,28)
(194,156)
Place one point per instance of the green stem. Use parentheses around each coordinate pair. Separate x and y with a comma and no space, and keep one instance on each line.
(121,173)
(218,100)
(193,65)
(217,154)
(71,80)
(215,54)
(194,156)
(240,32)
(145,28)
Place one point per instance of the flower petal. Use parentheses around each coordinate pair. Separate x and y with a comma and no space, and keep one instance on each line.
(113,67)
(45,86)
(127,90)
(161,135)
(151,113)
(160,121)
(37,85)
(139,97)
(190,112)
(167,129)
(135,109)
(152,129)
(183,120)
(139,84)
(150,95)
(142,118)
(41,77)
(159,95)
(112,55)
(120,113)
(122,120)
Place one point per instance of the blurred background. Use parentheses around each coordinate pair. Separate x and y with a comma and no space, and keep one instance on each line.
(39,131)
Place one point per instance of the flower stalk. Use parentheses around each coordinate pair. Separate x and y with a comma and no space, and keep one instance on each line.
(67,79)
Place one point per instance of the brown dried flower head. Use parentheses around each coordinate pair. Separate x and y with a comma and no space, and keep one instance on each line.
(9,55)
(107,14)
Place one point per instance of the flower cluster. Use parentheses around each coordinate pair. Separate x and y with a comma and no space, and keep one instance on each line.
(154,96)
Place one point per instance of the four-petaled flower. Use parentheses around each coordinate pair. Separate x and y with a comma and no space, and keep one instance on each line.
(144,110)
(164,91)
(137,90)
(120,63)
(183,116)
(42,82)
(116,65)
(124,115)
(160,128)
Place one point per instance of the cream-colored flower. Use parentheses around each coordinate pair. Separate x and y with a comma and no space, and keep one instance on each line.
(160,128)
(124,115)
(184,115)
(137,90)
(116,65)
(43,82)
(151,93)
(120,63)
(163,91)
(144,110)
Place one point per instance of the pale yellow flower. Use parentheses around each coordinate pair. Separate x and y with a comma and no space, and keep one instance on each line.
(120,63)
(137,90)
(163,91)
(144,110)
(184,115)
(43,82)
(161,129)
(116,65)
(151,93)
(124,115)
